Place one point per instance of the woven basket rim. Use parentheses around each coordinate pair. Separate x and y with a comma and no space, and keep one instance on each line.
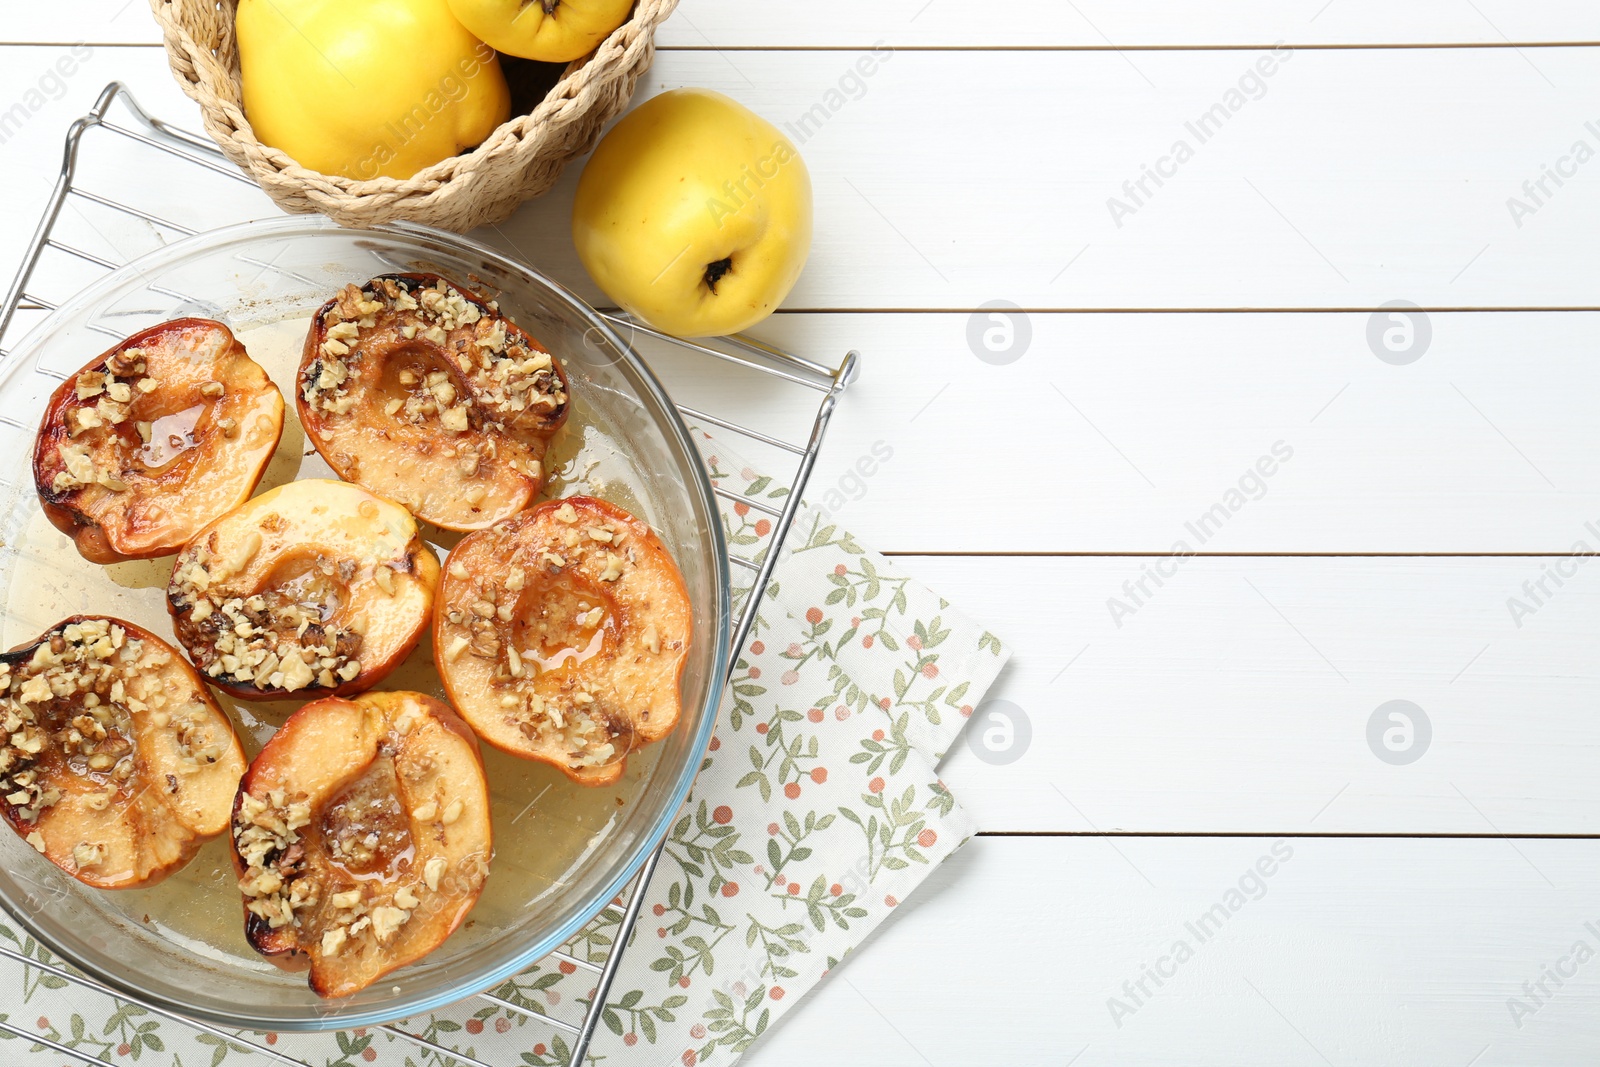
(561,106)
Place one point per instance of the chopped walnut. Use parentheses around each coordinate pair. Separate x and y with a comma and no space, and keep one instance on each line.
(104,399)
(503,376)
(268,640)
(333,940)
(387,920)
(75,695)
(88,854)
(265,835)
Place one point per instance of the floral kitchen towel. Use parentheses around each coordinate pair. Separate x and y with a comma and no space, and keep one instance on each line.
(817,811)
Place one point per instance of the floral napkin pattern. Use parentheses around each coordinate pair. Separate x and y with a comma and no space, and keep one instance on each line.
(817,811)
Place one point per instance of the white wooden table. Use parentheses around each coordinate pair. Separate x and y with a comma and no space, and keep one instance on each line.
(1220,715)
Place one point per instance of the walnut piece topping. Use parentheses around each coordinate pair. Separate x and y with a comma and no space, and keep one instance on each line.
(501,376)
(105,399)
(266,836)
(74,698)
(90,384)
(268,640)
(87,854)
(386,920)
(333,940)
(432,872)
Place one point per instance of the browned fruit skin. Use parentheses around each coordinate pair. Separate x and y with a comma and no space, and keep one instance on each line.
(152,775)
(581,692)
(314,563)
(400,765)
(453,421)
(205,394)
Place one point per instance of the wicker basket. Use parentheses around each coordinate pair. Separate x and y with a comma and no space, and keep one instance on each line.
(521,159)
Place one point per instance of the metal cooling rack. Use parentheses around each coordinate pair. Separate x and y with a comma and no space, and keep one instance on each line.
(192,149)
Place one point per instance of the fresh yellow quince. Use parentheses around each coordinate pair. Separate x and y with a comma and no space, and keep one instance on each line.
(694,214)
(367,88)
(551,31)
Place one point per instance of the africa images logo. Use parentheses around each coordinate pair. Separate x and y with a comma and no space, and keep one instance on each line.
(1204,928)
(1251,85)
(1250,486)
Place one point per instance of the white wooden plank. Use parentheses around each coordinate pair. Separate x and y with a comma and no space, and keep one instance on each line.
(41,102)
(1237,696)
(1117,432)
(1030,23)
(1122,428)
(1300,201)
(1356,952)
(1099,23)
(1112,433)
(1208,709)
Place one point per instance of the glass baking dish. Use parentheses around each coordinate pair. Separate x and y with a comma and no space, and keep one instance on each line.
(562,851)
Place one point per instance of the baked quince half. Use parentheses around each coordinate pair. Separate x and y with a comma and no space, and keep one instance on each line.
(154,439)
(313,588)
(116,763)
(426,394)
(561,635)
(361,837)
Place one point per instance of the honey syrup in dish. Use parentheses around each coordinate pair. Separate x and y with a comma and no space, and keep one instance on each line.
(544,825)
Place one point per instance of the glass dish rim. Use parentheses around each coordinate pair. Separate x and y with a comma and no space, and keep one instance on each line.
(543,945)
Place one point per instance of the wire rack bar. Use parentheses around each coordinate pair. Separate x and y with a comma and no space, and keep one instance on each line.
(54,1046)
(98,261)
(193,148)
(89,983)
(753,505)
(548,1020)
(444,1050)
(128,209)
(208,160)
(575,961)
(755,435)
(761,348)
(805,372)
(630,918)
